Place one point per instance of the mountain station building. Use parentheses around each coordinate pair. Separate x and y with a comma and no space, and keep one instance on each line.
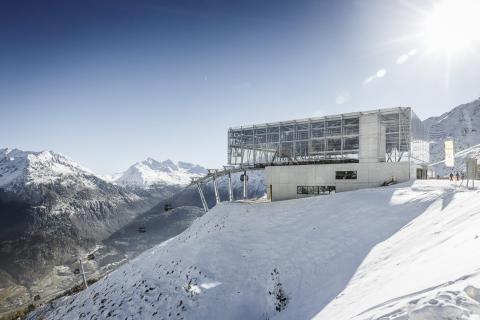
(342,152)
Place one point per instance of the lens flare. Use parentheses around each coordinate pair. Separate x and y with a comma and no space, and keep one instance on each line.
(453,26)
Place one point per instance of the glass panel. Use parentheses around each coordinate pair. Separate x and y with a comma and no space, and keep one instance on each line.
(274,129)
(302,126)
(318,146)
(301,149)
(318,133)
(345,175)
(260,131)
(286,150)
(334,144)
(350,121)
(302,135)
(273,137)
(350,130)
(350,143)
(286,133)
(334,123)
(334,131)
(318,125)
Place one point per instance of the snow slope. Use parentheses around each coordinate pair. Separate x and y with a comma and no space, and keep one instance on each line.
(150,172)
(428,270)
(288,260)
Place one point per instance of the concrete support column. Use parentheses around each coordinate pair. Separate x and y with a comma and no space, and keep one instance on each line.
(202,197)
(371,139)
(230,190)
(217,196)
(245,190)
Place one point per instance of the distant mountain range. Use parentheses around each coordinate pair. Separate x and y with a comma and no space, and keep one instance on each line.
(53,210)
(150,172)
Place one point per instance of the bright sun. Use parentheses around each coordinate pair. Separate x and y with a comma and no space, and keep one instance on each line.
(453,26)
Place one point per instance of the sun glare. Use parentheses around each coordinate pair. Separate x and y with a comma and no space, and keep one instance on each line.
(453,26)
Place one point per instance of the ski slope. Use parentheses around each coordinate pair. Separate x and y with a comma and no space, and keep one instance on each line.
(293,259)
(427,270)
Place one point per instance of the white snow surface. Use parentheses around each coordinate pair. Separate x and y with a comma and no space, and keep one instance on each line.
(150,172)
(427,270)
(400,252)
(19,167)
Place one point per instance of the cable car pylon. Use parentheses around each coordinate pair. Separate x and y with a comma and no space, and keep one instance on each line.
(214,174)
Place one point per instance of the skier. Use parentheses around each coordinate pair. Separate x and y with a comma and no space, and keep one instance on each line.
(457,176)
(451,176)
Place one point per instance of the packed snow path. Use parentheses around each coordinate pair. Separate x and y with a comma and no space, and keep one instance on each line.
(282,260)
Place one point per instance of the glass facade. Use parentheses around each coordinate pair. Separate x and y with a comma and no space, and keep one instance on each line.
(331,138)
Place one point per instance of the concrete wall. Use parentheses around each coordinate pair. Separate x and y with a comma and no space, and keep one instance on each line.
(371,138)
(285,179)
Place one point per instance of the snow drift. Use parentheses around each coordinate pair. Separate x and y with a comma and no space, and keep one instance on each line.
(290,259)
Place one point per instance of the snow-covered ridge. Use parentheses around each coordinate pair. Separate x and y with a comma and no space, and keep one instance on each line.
(18,167)
(151,172)
(290,259)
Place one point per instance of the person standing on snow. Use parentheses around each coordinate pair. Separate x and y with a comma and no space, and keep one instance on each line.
(451,176)
(457,176)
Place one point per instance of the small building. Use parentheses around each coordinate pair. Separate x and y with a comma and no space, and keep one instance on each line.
(340,152)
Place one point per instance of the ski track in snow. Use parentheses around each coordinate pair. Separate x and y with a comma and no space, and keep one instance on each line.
(400,252)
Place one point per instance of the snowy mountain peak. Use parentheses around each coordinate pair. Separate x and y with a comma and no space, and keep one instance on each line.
(166,166)
(152,172)
(18,167)
(462,124)
(192,168)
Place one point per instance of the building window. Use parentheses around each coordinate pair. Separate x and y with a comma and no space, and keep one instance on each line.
(346,175)
(334,144)
(350,143)
(308,189)
(315,190)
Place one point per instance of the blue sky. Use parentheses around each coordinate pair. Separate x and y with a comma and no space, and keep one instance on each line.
(109,83)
